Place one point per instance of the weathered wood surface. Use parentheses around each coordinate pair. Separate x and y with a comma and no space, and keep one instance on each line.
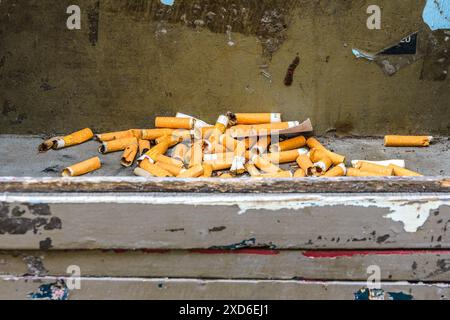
(266,186)
(231,221)
(194,289)
(394,265)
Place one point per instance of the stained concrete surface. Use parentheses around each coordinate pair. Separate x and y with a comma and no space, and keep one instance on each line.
(20,157)
(135,59)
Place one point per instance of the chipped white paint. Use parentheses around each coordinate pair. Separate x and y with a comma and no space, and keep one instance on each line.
(412,210)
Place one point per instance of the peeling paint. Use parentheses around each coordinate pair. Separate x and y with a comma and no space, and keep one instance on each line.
(51,291)
(379,294)
(437,14)
(412,211)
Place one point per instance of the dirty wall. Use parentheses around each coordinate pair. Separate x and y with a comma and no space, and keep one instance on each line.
(134,59)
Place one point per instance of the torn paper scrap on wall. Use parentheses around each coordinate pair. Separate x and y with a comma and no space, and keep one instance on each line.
(437,14)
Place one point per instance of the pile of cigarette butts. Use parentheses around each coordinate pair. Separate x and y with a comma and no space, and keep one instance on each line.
(238,144)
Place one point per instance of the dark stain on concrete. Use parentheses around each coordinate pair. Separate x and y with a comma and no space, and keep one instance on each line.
(217,229)
(383,239)
(46,86)
(35,266)
(175,230)
(289,79)
(45,244)
(93,18)
(21,219)
(266,19)
(8,108)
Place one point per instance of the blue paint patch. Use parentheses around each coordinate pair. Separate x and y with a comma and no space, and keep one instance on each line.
(400,296)
(367,294)
(437,14)
(168,2)
(57,291)
(236,246)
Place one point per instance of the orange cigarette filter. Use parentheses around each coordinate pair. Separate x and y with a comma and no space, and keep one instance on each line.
(285,156)
(226,176)
(277,175)
(407,141)
(402,172)
(196,157)
(220,164)
(300,173)
(352,172)
(82,168)
(179,152)
(173,170)
(243,131)
(159,149)
(67,141)
(371,167)
(207,171)
(105,137)
(322,166)
(305,163)
(290,144)
(257,118)
(173,162)
(218,156)
(219,129)
(252,170)
(129,155)
(265,165)
(142,173)
(154,170)
(144,146)
(193,172)
(337,171)
(174,123)
(229,142)
(153,134)
(117,145)
(317,154)
(262,145)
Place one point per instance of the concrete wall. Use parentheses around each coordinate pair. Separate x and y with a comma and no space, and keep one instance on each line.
(134,59)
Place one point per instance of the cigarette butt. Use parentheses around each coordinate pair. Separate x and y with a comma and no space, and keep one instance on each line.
(317,154)
(313,143)
(337,171)
(129,155)
(144,146)
(174,123)
(243,131)
(407,141)
(386,163)
(290,144)
(183,135)
(219,129)
(322,166)
(229,142)
(196,157)
(203,133)
(238,165)
(193,172)
(173,170)
(277,175)
(142,173)
(252,170)
(217,148)
(179,152)
(265,165)
(402,172)
(173,162)
(257,118)
(117,145)
(262,144)
(226,176)
(370,167)
(198,123)
(352,172)
(218,156)
(67,141)
(154,170)
(305,163)
(208,171)
(284,157)
(222,163)
(105,137)
(159,149)
(300,173)
(153,134)
(82,168)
